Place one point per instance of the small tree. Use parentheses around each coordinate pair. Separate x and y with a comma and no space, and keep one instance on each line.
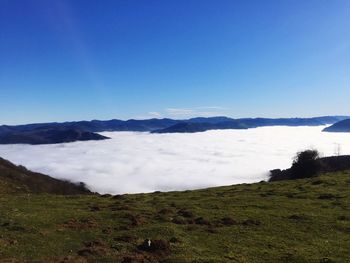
(306,164)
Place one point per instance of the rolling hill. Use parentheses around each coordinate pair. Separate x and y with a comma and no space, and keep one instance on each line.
(18,179)
(305,220)
(221,123)
(341,126)
(190,127)
(46,135)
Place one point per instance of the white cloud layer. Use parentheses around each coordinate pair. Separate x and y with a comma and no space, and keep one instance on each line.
(134,162)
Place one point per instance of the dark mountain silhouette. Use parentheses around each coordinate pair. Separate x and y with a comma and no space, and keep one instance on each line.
(190,127)
(96,125)
(48,136)
(210,119)
(46,133)
(341,126)
(17,179)
(196,125)
(315,121)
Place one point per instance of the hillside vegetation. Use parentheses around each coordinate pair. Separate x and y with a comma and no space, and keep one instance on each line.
(18,179)
(305,220)
(309,164)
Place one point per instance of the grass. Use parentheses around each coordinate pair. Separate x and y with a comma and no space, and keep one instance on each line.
(305,220)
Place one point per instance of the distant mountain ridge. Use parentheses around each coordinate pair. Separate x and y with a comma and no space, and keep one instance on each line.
(47,133)
(48,136)
(341,126)
(191,127)
(96,125)
(220,123)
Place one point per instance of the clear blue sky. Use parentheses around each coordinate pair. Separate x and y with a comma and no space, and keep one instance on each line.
(79,59)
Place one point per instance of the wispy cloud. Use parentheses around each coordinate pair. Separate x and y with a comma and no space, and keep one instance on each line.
(149,115)
(209,111)
(185,113)
(142,162)
(155,114)
(179,113)
(212,108)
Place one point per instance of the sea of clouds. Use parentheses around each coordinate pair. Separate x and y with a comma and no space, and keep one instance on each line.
(133,162)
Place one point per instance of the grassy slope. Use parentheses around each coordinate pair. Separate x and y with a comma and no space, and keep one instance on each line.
(290,221)
(18,179)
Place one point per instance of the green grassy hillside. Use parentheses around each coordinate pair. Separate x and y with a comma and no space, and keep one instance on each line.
(305,220)
(18,179)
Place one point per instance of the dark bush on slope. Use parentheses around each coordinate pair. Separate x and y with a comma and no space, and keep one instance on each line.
(308,164)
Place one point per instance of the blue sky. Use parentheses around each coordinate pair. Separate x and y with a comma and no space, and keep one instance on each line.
(79,59)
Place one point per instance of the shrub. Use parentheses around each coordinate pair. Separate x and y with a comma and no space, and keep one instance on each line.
(306,164)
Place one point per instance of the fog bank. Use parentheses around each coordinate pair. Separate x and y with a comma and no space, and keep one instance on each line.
(133,162)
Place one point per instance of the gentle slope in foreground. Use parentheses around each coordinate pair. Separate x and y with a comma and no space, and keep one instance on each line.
(303,220)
